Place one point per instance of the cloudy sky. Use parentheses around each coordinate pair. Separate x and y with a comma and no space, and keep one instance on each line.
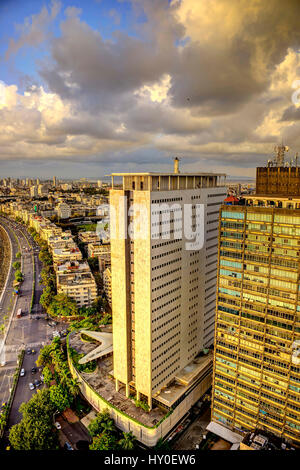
(89,87)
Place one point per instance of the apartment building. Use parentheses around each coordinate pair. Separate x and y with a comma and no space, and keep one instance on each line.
(257,338)
(88,237)
(163,294)
(63,210)
(104,261)
(107,284)
(75,279)
(97,249)
(61,255)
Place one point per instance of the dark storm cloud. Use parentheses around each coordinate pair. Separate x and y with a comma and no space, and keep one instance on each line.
(222,100)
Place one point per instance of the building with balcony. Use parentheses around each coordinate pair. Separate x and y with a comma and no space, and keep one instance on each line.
(76,281)
(256,381)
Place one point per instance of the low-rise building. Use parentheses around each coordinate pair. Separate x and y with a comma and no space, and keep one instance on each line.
(97,249)
(61,255)
(75,279)
(63,210)
(88,237)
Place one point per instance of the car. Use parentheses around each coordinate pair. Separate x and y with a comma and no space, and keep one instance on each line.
(22,373)
(28,351)
(33,351)
(31,386)
(37,317)
(67,446)
(33,370)
(57,425)
(37,382)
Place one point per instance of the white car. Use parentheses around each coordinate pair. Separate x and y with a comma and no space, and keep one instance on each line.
(31,386)
(57,425)
(22,373)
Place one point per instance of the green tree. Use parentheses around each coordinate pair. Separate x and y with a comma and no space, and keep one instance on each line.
(48,377)
(45,357)
(35,431)
(45,257)
(47,297)
(73,387)
(62,305)
(128,441)
(18,254)
(59,397)
(104,441)
(18,276)
(96,426)
(16,265)
(162,445)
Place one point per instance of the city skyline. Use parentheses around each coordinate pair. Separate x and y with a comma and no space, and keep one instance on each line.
(90,88)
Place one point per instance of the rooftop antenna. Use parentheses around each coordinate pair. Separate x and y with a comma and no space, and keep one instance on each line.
(279,157)
(176,165)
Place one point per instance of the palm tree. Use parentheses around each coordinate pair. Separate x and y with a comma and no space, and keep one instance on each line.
(73,387)
(128,441)
(108,426)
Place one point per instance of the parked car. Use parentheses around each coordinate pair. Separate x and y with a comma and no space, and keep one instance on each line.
(22,373)
(31,386)
(28,351)
(33,370)
(37,383)
(57,425)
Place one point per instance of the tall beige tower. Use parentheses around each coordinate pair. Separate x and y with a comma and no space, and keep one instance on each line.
(163,290)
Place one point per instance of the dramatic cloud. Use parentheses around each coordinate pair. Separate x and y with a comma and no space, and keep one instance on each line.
(210,80)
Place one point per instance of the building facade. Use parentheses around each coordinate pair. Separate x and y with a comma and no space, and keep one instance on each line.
(163,295)
(256,382)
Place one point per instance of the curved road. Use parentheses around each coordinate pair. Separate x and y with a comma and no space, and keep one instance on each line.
(27,331)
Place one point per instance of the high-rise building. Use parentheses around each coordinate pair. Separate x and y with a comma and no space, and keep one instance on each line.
(163,294)
(257,337)
(33,191)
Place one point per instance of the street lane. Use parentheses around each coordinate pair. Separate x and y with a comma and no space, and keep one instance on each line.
(31,330)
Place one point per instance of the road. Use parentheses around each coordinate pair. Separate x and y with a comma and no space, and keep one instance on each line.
(27,331)
(72,432)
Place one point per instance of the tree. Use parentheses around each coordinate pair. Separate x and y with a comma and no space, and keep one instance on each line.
(59,397)
(62,305)
(18,255)
(45,356)
(104,441)
(47,297)
(73,387)
(47,375)
(18,276)
(35,431)
(162,445)
(16,265)
(96,426)
(128,441)
(45,257)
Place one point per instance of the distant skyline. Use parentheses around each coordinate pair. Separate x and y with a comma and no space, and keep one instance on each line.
(98,86)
